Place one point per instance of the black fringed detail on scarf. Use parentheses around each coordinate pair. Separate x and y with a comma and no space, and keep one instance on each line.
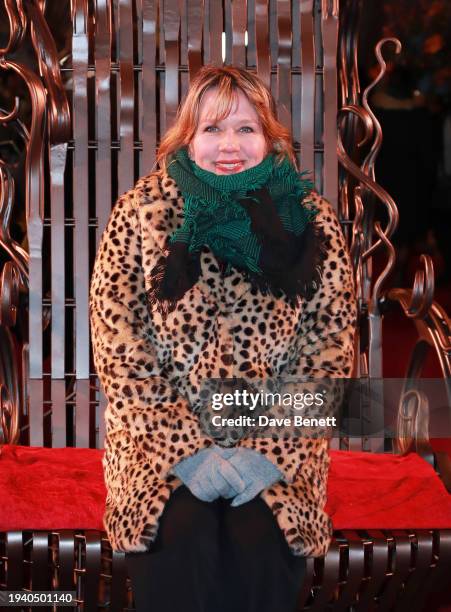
(297,280)
(292,264)
(172,277)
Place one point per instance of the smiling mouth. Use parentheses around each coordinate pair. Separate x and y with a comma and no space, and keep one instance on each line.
(229,165)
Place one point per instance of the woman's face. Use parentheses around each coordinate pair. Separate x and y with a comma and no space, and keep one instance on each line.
(231,145)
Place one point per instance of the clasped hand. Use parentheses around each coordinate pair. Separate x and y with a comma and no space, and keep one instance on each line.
(209,475)
(226,472)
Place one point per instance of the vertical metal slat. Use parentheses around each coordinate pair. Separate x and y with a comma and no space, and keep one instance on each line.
(171,43)
(284,63)
(308,86)
(126,102)
(15,561)
(80,45)
(40,561)
(148,119)
(58,157)
(238,31)
(262,41)
(330,43)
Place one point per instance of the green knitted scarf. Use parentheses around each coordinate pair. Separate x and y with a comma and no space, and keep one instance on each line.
(254,220)
(214,216)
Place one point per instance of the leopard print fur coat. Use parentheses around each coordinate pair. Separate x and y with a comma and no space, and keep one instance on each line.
(150,367)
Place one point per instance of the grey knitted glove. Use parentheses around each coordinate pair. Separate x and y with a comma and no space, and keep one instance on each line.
(209,475)
(257,472)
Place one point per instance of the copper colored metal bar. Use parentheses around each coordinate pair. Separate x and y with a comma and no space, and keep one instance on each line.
(330,40)
(355,568)
(348,66)
(400,569)
(66,552)
(262,41)
(214,33)
(184,9)
(40,561)
(58,393)
(80,46)
(57,160)
(118,586)
(420,298)
(35,416)
(284,63)
(307,583)
(126,102)
(102,406)
(378,191)
(195,29)
(442,567)
(102,61)
(14,555)
(251,49)
(149,86)
(308,86)
(239,20)
(296,76)
(375,319)
(418,579)
(369,161)
(228,30)
(171,43)
(331,573)
(93,567)
(378,547)
(82,409)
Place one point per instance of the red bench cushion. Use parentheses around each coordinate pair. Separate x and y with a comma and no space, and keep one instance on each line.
(63,488)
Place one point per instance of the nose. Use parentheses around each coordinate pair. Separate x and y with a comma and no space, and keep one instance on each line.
(229,141)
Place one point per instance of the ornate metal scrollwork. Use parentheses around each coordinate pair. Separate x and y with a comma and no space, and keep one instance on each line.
(9,425)
(58,113)
(49,117)
(17,26)
(367,190)
(413,423)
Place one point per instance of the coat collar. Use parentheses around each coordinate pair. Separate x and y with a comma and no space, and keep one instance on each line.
(160,206)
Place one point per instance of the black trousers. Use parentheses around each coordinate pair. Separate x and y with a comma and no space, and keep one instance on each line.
(212,557)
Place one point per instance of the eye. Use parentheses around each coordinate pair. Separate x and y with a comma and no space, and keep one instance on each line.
(210,128)
(247,129)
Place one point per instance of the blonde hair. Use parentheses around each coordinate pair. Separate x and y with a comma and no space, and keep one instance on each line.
(228,79)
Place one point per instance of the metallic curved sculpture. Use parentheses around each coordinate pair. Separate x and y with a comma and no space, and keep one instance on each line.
(49,117)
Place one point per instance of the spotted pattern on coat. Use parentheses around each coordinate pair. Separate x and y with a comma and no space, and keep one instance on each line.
(150,367)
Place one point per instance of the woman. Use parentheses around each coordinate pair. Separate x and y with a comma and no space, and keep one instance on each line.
(220,265)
